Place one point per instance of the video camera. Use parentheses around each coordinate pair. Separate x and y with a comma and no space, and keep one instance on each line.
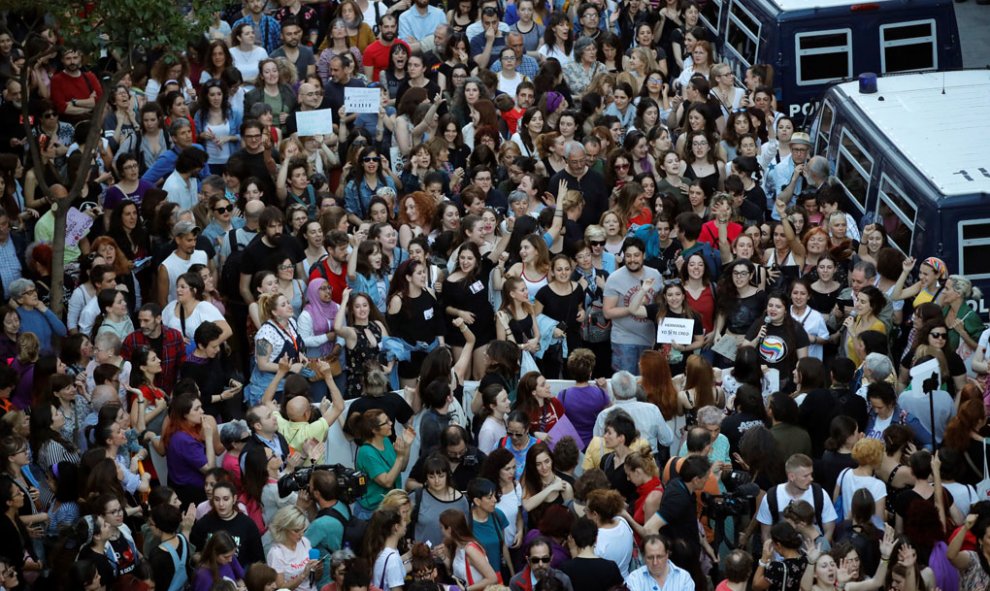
(351,484)
(740,491)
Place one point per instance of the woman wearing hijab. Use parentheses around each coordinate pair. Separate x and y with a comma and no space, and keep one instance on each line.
(316,329)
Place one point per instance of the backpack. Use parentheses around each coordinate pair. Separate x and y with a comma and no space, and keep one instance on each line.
(230,274)
(354,529)
(818,496)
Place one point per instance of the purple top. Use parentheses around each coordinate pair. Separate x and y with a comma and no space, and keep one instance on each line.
(184,457)
(114,195)
(21,398)
(582,405)
(204,578)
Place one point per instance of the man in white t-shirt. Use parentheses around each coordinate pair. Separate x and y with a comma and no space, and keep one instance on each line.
(800,486)
(184,256)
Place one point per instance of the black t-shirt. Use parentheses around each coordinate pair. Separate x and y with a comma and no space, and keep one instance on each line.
(746,311)
(396,407)
(258,255)
(255,164)
(678,510)
(592,186)
(591,574)
(241,528)
(778,349)
(108,574)
(466,471)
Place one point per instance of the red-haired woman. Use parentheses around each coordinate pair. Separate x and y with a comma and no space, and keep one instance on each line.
(188,446)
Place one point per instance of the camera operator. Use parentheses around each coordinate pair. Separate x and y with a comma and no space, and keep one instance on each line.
(326,528)
(677,516)
(465,460)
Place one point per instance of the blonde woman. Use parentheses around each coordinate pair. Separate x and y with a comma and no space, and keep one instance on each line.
(289,554)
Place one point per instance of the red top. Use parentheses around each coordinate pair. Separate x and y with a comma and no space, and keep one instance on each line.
(704,306)
(543,419)
(709,232)
(642,218)
(643,491)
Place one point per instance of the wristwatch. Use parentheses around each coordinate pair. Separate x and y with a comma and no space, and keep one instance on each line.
(73,102)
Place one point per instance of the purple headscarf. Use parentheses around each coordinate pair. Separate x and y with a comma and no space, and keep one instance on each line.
(323,313)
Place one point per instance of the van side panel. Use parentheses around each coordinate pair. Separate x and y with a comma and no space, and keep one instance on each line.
(812,48)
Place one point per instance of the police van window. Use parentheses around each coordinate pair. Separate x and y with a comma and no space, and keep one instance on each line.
(823,56)
(711,16)
(908,46)
(897,214)
(974,238)
(824,128)
(742,34)
(855,166)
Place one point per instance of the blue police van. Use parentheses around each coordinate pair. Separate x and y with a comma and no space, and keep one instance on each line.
(812,44)
(912,156)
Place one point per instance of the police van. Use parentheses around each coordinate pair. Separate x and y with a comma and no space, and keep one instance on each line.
(814,43)
(912,156)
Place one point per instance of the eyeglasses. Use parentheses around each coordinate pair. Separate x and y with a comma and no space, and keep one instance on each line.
(253,136)
(539,559)
(384,424)
(49,115)
(740,273)
(284,267)
(938,335)
(226,209)
(621,166)
(699,144)
(370,159)
(655,80)
(516,434)
(509,58)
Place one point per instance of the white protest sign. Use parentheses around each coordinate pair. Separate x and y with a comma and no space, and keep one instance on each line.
(317,122)
(362,100)
(676,330)
(77,225)
(927,370)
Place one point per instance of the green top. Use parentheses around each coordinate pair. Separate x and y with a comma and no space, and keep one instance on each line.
(374,462)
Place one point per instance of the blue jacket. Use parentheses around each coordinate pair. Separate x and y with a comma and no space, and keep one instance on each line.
(902,417)
(43,325)
(358,196)
(165,165)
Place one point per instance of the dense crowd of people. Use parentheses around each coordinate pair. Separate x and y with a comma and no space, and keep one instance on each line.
(561,193)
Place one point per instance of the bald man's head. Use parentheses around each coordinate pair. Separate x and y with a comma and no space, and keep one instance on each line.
(309,95)
(298,408)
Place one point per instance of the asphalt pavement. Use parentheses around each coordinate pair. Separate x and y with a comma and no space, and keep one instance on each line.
(974,33)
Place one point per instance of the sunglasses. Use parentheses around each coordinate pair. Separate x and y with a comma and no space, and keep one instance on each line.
(226,209)
(370,159)
(539,559)
(597,243)
(938,335)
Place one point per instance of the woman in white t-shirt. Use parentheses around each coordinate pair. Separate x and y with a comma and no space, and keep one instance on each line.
(246,54)
(495,405)
(189,309)
(868,454)
(381,540)
(615,537)
(289,554)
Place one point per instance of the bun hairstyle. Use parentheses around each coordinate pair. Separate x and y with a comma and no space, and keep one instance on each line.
(783,533)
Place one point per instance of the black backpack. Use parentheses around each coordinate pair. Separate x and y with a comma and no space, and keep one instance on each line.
(354,529)
(230,274)
(818,495)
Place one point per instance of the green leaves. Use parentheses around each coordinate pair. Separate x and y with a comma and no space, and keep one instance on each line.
(127,27)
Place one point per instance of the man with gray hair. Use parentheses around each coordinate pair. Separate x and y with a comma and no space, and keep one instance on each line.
(580,178)
(649,420)
(182,137)
(103,395)
(877,367)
